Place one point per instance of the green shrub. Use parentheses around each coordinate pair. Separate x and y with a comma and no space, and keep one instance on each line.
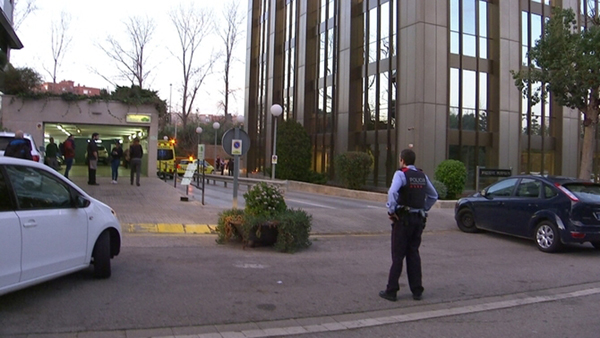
(352,168)
(317,178)
(264,199)
(293,231)
(440,188)
(294,151)
(225,230)
(453,174)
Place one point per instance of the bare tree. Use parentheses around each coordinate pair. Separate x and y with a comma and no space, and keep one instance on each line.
(230,34)
(131,58)
(19,15)
(60,40)
(192,25)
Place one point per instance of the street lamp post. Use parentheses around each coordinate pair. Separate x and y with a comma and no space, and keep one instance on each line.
(199,131)
(276,110)
(216,127)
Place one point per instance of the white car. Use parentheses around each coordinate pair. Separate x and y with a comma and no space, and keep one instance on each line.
(49,227)
(6,137)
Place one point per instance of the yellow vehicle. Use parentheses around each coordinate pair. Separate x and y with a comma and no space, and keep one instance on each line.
(181,168)
(165,159)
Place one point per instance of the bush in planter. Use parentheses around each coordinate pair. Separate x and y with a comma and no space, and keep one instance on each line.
(265,211)
(453,174)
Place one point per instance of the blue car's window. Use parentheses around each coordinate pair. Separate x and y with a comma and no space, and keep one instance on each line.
(502,188)
(529,188)
(549,192)
(587,192)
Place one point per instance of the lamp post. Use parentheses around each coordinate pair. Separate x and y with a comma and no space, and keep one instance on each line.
(276,110)
(216,127)
(199,131)
(236,162)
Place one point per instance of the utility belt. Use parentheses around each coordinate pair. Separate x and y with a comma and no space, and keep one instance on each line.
(405,211)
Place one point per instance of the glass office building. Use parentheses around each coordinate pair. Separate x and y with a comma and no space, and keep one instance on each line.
(381,75)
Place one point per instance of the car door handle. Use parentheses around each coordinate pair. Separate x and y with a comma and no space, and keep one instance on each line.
(30,224)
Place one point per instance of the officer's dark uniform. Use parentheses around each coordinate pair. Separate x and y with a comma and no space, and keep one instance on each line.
(415,196)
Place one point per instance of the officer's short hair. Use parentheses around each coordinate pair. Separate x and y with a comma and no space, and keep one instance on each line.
(409,157)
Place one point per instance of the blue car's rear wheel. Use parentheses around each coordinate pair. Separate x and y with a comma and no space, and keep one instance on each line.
(466,221)
(547,237)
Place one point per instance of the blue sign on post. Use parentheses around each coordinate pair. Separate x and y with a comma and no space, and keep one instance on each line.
(236,147)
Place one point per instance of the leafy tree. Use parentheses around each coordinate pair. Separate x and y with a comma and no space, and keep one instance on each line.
(19,80)
(565,60)
(293,151)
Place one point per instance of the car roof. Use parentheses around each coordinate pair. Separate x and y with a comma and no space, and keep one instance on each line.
(554,179)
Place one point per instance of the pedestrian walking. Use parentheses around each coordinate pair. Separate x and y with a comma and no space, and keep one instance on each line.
(135,153)
(92,159)
(115,161)
(51,154)
(410,196)
(222,167)
(69,153)
(230,167)
(19,147)
(218,164)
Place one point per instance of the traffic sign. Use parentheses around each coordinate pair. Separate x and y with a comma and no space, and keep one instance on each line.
(201,152)
(229,142)
(274,159)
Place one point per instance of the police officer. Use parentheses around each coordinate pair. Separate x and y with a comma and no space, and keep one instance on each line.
(409,197)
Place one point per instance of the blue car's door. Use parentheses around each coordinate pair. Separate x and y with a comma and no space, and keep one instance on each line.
(491,210)
(520,209)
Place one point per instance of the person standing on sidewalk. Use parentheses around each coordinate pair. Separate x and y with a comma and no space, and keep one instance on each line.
(51,154)
(92,159)
(115,161)
(69,154)
(410,196)
(135,154)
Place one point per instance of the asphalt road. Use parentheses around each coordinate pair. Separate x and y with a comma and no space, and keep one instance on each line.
(189,283)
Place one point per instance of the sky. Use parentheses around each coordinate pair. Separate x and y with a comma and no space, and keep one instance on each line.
(93,21)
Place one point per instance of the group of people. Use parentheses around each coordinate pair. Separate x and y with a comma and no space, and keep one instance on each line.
(133,156)
(221,165)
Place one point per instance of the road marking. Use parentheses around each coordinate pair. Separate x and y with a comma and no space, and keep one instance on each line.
(307,203)
(329,324)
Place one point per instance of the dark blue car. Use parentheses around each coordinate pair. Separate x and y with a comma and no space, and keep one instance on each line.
(551,210)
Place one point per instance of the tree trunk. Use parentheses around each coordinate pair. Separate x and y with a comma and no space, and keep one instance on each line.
(589,142)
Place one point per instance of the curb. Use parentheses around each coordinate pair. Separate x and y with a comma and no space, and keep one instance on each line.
(169,228)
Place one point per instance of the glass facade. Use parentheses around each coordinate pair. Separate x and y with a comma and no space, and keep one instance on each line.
(357,74)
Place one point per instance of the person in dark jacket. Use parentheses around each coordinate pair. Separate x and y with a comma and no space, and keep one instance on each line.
(19,147)
(135,153)
(92,159)
(410,196)
(115,161)
(69,154)
(52,154)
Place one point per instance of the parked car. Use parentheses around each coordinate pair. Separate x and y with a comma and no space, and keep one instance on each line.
(49,227)
(551,210)
(6,137)
(183,163)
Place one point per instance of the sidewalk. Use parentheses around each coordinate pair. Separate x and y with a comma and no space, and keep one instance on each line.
(156,207)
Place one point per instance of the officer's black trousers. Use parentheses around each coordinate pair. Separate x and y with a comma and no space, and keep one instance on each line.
(406,239)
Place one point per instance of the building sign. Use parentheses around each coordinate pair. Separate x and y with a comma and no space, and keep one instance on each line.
(138,118)
(483,172)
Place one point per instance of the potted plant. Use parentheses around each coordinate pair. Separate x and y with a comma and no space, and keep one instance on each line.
(266,220)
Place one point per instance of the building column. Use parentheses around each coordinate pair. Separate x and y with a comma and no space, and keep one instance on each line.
(422,78)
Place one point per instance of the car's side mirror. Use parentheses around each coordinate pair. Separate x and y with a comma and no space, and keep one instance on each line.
(82,202)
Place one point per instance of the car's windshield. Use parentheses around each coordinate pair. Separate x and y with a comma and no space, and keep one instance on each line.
(4,141)
(164,154)
(583,191)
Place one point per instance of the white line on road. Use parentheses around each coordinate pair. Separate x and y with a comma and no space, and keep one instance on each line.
(329,325)
(307,203)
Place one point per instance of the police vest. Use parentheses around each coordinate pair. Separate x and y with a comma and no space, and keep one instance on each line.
(412,194)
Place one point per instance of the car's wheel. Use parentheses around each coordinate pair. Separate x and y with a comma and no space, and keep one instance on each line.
(101,255)
(596,245)
(466,221)
(547,237)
